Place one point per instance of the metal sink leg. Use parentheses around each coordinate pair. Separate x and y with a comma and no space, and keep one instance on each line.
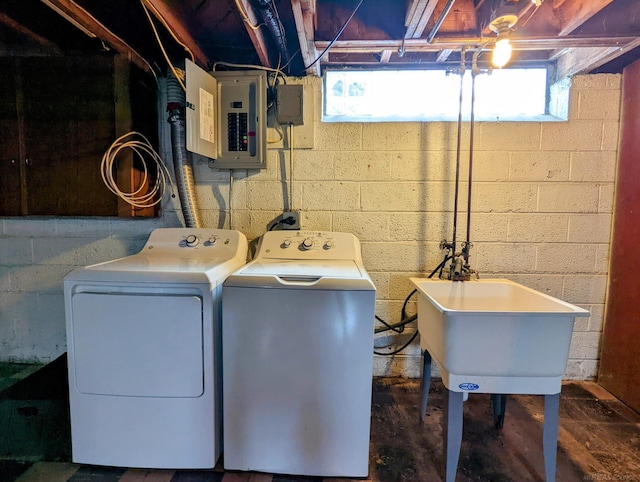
(426,383)
(452,433)
(550,434)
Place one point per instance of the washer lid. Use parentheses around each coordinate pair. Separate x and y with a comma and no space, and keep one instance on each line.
(302,274)
(320,268)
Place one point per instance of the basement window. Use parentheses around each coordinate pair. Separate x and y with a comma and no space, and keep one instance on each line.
(434,95)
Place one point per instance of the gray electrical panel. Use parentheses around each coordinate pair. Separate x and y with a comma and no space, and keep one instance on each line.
(226,117)
(241,120)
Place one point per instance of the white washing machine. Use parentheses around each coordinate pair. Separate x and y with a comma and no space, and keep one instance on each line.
(143,351)
(297,331)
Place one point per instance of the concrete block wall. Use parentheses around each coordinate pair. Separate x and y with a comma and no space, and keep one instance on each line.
(542,200)
(35,255)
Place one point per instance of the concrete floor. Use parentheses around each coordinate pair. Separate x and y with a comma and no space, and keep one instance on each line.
(599,437)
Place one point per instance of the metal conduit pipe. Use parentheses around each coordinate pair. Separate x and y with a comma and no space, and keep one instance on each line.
(436,27)
(183,166)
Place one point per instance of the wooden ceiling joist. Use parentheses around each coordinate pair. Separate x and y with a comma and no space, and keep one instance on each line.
(163,13)
(21,29)
(418,14)
(91,24)
(531,43)
(571,61)
(305,16)
(385,56)
(578,12)
(255,34)
(577,61)
(443,55)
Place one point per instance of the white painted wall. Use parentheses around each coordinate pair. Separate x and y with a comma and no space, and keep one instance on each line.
(542,202)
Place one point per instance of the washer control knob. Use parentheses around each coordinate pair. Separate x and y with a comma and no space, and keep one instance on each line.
(286,243)
(212,241)
(307,244)
(191,240)
(329,244)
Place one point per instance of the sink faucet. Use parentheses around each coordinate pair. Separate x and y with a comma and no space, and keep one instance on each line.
(460,270)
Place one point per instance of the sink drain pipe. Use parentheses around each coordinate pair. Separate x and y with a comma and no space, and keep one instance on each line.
(183,166)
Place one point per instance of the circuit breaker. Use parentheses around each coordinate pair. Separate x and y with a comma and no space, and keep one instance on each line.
(241,120)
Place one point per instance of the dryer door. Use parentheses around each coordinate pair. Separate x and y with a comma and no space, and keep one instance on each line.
(140,345)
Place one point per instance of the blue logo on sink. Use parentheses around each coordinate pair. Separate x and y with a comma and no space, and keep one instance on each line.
(468,386)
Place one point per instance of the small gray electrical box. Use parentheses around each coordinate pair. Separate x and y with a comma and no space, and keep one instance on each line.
(289,103)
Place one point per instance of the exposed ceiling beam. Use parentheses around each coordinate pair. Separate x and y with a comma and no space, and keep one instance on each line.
(418,14)
(304,14)
(574,14)
(163,13)
(531,43)
(385,56)
(18,27)
(576,61)
(90,23)
(444,55)
(255,34)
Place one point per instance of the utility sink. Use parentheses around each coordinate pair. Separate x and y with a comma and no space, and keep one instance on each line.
(495,335)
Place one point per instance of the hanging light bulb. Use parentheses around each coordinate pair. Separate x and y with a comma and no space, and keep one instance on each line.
(502,26)
(501,52)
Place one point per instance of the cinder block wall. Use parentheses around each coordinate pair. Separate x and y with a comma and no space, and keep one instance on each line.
(35,255)
(542,201)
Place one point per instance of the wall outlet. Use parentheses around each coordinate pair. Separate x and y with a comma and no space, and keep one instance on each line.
(293,214)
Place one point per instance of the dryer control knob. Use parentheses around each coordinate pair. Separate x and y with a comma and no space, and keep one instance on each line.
(286,243)
(191,240)
(328,245)
(307,243)
(212,241)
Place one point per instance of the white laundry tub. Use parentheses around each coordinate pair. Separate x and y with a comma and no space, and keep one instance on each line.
(494,335)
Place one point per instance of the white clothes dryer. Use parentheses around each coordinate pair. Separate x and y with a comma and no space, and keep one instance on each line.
(297,330)
(143,348)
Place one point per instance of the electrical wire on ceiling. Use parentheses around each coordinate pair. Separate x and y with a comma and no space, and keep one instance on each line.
(268,10)
(179,74)
(245,17)
(278,70)
(169,29)
(280,25)
(151,189)
(535,9)
(335,39)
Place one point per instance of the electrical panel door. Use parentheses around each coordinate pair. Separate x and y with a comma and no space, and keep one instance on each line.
(227,117)
(201,111)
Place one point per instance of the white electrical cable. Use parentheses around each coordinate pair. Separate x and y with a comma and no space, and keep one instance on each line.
(291,167)
(230,195)
(278,71)
(140,198)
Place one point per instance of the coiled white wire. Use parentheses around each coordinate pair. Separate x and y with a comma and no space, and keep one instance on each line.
(140,198)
